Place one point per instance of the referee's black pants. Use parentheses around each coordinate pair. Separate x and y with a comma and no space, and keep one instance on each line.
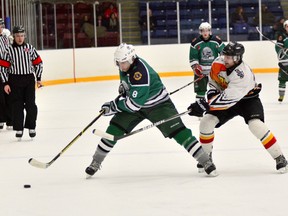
(23,98)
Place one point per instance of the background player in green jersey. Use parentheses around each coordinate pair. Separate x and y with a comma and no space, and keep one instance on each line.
(282,52)
(142,95)
(203,50)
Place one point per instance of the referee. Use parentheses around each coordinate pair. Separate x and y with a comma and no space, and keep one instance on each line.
(5,109)
(20,67)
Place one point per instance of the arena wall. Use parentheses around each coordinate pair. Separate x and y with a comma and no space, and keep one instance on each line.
(97,64)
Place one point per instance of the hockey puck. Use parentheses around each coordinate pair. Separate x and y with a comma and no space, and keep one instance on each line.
(27,186)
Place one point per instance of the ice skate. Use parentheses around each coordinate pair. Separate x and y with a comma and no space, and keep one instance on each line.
(281,98)
(1,125)
(92,169)
(200,166)
(281,164)
(210,168)
(19,135)
(32,133)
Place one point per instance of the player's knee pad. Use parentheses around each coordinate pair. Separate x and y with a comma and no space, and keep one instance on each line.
(208,123)
(257,127)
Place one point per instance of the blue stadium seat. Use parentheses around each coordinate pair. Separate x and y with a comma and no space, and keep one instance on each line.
(183,5)
(161,24)
(240,28)
(172,33)
(170,5)
(222,22)
(186,24)
(185,14)
(171,14)
(199,13)
(159,14)
(156,5)
(160,33)
(171,23)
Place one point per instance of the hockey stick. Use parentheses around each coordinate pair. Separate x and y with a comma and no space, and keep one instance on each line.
(42,165)
(257,28)
(279,64)
(116,138)
(198,79)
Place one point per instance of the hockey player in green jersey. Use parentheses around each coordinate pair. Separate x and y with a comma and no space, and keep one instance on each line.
(142,95)
(203,50)
(282,52)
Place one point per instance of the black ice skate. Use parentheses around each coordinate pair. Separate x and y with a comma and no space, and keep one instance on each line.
(92,169)
(281,164)
(32,133)
(210,168)
(281,98)
(200,166)
(19,135)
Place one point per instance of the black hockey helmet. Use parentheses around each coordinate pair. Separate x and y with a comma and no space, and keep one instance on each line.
(18,29)
(234,49)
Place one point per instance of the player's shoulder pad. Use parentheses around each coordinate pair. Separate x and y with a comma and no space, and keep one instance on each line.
(139,74)
(195,41)
(218,65)
(216,38)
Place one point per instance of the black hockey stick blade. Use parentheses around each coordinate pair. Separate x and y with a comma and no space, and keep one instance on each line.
(116,138)
(38,164)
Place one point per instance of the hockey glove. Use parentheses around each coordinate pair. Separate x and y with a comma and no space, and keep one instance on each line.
(254,92)
(123,89)
(198,108)
(110,108)
(212,93)
(197,70)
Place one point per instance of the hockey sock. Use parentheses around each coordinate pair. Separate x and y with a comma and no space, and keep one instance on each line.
(207,126)
(282,88)
(206,141)
(191,144)
(105,146)
(260,130)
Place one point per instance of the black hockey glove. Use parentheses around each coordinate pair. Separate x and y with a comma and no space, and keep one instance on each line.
(212,93)
(254,92)
(110,108)
(198,108)
(123,89)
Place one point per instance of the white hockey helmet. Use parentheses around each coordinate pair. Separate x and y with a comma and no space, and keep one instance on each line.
(285,23)
(124,52)
(205,25)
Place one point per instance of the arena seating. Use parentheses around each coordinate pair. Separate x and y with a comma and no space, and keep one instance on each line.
(192,13)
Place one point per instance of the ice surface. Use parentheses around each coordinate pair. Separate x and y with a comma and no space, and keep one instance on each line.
(145,174)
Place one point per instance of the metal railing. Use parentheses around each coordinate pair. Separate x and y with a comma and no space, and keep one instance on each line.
(59,24)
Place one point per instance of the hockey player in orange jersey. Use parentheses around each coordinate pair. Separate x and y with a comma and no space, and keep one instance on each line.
(234,92)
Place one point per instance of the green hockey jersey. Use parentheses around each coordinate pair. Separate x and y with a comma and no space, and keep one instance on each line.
(145,87)
(203,52)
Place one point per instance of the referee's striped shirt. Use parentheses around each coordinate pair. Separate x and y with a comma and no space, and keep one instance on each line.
(20,60)
(4,43)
